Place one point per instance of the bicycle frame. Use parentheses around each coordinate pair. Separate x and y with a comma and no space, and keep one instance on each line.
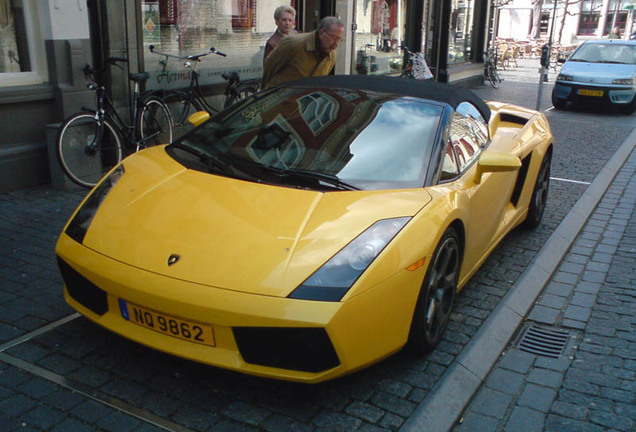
(191,63)
(195,89)
(105,109)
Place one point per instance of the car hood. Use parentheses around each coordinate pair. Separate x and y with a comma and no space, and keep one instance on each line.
(230,233)
(597,73)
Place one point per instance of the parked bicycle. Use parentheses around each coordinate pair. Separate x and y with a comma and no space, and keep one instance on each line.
(237,90)
(415,66)
(490,67)
(182,103)
(91,142)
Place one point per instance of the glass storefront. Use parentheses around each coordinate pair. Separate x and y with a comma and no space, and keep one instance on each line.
(460,31)
(381,26)
(14,55)
(238,28)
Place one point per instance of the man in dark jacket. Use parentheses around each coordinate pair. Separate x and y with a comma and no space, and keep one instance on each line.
(304,55)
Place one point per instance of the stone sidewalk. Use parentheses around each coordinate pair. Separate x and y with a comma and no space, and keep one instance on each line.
(587,380)
(559,352)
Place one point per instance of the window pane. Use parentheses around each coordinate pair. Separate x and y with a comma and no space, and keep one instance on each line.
(380,33)
(14,51)
(467,138)
(238,28)
(461,28)
(449,165)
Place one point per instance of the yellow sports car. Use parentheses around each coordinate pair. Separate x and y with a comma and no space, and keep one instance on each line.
(310,230)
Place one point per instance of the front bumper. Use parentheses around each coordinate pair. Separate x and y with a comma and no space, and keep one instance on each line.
(580,93)
(282,338)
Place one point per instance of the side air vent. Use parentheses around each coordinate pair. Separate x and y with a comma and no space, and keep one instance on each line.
(521,180)
(511,118)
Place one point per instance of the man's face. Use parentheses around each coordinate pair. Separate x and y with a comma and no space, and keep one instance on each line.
(330,39)
(285,23)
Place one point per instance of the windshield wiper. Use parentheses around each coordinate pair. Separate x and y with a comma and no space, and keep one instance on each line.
(212,163)
(320,177)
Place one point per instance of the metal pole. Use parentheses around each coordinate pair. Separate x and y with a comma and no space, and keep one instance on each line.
(543,70)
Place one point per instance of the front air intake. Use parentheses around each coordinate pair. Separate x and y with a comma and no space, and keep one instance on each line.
(82,290)
(300,349)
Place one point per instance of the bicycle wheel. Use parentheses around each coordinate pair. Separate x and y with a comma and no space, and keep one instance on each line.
(154,123)
(181,105)
(492,75)
(239,93)
(85,151)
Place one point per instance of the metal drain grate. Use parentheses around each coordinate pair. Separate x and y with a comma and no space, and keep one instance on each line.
(544,342)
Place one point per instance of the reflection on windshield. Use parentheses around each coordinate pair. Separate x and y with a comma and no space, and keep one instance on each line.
(363,139)
(606,53)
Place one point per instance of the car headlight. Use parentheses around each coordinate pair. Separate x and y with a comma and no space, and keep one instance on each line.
(79,225)
(625,81)
(563,77)
(332,281)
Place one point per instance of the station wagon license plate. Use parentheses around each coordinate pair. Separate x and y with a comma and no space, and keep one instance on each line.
(172,326)
(586,92)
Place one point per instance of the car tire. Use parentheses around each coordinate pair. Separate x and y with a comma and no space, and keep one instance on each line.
(558,103)
(539,194)
(436,297)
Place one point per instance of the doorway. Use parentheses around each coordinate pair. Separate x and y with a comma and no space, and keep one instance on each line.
(310,12)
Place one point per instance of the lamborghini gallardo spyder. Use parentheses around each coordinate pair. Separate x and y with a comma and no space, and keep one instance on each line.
(309,230)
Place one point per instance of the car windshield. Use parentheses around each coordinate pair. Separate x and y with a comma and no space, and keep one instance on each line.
(605,53)
(325,139)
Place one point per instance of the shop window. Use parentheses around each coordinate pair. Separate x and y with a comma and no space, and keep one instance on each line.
(617,15)
(589,17)
(379,36)
(168,12)
(243,14)
(544,23)
(621,21)
(22,58)
(238,28)
(460,31)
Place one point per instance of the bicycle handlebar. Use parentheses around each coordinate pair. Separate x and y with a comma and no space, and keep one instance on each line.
(214,51)
(195,57)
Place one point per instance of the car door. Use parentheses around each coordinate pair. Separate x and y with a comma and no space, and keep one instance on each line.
(482,200)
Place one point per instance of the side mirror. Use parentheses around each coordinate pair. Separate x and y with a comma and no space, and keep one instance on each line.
(496,162)
(195,119)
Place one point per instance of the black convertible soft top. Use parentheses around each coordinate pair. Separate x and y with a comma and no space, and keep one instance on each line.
(425,89)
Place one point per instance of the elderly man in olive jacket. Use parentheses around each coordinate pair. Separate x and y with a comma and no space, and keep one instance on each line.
(304,55)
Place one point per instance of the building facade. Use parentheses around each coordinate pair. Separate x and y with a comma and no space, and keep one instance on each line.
(572,22)
(44,45)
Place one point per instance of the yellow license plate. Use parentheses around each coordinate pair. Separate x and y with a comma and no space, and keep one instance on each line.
(172,326)
(586,92)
